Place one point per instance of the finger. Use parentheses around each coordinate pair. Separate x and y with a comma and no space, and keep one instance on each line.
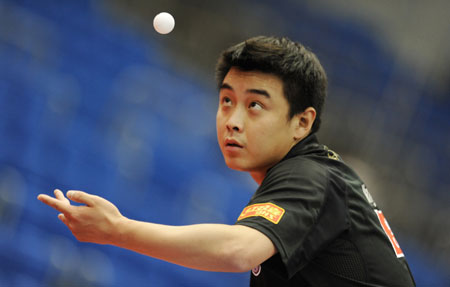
(63,218)
(55,203)
(59,194)
(81,197)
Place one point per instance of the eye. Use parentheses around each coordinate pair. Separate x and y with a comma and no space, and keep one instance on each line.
(226,101)
(255,106)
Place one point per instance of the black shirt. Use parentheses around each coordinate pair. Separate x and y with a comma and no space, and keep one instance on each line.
(327,229)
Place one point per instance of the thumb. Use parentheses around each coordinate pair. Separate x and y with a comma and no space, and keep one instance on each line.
(63,218)
(81,197)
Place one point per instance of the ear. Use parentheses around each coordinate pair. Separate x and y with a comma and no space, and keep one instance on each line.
(303,123)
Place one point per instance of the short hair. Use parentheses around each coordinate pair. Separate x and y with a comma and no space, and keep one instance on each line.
(304,79)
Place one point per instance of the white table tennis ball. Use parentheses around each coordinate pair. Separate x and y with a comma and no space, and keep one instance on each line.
(163,23)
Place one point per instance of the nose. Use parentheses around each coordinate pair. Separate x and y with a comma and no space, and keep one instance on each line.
(235,121)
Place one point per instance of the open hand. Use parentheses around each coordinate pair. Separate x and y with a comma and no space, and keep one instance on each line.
(96,221)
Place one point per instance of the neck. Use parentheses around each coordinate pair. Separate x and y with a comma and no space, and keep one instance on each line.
(258,177)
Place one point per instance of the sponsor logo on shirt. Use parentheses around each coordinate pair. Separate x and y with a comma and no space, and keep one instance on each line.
(268,210)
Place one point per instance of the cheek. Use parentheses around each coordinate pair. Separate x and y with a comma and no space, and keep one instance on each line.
(259,138)
(268,130)
(270,137)
(218,130)
(219,125)
(217,119)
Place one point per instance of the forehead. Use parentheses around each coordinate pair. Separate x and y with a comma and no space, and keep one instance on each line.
(243,80)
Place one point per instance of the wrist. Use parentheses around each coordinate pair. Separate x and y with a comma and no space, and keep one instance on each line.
(120,232)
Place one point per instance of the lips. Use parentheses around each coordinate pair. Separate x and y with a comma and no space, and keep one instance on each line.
(233,143)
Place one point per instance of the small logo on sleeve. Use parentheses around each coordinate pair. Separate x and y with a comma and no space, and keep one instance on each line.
(268,210)
(368,196)
(387,229)
(256,271)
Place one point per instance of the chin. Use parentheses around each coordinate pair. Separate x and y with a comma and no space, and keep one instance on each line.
(240,167)
(235,166)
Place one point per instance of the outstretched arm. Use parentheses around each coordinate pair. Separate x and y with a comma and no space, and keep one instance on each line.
(209,247)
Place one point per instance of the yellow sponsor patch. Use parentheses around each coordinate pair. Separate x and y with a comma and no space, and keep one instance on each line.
(268,210)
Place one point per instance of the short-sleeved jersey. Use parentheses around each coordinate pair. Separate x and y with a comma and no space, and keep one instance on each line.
(327,229)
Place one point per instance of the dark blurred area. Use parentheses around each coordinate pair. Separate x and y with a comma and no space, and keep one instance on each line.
(92,98)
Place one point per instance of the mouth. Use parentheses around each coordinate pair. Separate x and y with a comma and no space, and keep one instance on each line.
(232,143)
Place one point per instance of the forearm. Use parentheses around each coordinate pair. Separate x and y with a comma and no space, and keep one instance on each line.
(209,247)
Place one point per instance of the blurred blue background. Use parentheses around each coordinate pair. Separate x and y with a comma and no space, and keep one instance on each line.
(92,98)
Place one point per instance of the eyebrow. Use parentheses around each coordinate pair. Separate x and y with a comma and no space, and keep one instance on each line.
(259,92)
(264,93)
(225,86)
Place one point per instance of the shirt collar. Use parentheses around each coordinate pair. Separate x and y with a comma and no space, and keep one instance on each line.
(305,146)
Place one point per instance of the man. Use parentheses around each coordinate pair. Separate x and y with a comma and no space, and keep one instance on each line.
(312,221)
